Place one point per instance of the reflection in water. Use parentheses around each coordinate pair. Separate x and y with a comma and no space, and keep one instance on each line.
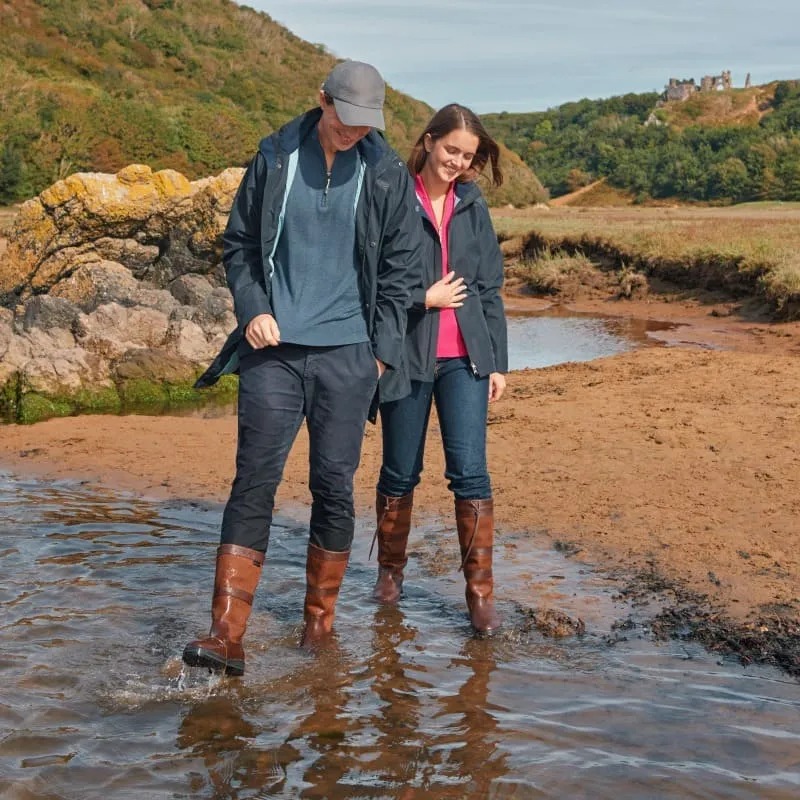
(368,725)
(217,731)
(397,716)
(100,591)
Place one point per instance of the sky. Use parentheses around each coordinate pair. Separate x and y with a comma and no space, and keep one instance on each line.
(511,55)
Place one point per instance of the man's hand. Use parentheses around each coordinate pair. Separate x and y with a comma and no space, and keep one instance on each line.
(381,368)
(449,292)
(497,385)
(262,331)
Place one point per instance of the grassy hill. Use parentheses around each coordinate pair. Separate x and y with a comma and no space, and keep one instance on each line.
(738,107)
(721,147)
(186,84)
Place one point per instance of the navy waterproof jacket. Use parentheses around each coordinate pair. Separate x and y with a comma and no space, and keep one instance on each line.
(388,237)
(475,256)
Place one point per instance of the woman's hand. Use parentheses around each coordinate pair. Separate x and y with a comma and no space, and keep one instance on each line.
(449,292)
(497,385)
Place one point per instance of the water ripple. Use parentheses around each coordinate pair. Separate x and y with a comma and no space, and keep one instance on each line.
(101,590)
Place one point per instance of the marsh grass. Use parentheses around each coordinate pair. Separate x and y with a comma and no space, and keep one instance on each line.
(748,251)
(549,271)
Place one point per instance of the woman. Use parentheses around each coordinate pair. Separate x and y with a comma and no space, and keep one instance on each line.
(456,353)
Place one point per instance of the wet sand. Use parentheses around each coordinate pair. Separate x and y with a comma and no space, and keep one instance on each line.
(680,460)
(675,461)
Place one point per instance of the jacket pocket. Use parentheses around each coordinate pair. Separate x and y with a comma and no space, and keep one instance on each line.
(475,331)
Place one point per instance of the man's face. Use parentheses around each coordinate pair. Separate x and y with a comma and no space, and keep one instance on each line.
(334,132)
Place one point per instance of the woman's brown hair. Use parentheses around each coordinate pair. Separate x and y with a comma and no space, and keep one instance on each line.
(456,117)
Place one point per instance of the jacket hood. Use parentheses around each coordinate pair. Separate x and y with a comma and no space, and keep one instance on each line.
(372,148)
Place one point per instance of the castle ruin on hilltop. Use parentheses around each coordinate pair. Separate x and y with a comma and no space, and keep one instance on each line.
(683,90)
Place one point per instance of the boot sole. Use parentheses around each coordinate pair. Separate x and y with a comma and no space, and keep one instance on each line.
(198,657)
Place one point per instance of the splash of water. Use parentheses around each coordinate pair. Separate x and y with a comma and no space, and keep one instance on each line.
(214,680)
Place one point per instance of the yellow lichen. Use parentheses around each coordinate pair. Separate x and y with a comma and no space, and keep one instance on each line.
(135,173)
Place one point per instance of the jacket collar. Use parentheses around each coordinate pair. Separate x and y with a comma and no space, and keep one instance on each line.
(466,194)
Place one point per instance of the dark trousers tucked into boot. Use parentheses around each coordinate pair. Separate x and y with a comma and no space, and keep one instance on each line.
(238,571)
(324,574)
(393,525)
(475,522)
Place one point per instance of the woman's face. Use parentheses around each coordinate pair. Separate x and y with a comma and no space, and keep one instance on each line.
(450,156)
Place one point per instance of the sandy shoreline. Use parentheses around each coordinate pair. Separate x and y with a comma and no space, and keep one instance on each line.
(683,461)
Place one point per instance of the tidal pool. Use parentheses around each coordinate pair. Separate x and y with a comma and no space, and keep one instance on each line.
(546,338)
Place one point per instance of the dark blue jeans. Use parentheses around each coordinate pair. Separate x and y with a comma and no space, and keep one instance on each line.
(462,403)
(332,388)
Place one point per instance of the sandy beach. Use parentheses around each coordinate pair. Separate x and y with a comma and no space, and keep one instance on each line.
(678,460)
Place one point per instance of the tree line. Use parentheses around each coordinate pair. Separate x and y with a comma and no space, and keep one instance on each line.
(632,144)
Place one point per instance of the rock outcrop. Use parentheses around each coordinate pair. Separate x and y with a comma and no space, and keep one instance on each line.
(158,225)
(111,281)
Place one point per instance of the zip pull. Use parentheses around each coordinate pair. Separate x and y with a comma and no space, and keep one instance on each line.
(327,184)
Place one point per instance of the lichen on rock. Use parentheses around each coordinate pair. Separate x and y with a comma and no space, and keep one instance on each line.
(112,292)
(157,224)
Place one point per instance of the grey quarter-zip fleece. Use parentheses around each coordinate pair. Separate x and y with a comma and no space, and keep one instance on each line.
(315,287)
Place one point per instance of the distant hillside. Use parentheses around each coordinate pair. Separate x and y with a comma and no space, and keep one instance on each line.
(93,85)
(738,107)
(731,146)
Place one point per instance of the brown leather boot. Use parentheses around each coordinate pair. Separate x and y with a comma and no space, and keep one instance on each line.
(324,574)
(394,523)
(475,522)
(238,571)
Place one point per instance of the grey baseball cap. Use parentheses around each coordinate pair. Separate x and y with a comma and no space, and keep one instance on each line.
(358,92)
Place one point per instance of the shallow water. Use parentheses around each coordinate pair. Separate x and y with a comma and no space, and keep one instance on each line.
(544,338)
(100,591)
(535,339)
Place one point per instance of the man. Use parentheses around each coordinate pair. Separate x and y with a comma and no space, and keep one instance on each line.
(320,253)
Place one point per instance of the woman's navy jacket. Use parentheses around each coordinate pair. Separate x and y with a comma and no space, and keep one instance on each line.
(475,256)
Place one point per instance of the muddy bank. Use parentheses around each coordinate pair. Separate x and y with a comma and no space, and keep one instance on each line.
(675,462)
(668,609)
(748,254)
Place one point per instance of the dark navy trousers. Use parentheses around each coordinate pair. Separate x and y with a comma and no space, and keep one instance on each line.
(332,389)
(462,405)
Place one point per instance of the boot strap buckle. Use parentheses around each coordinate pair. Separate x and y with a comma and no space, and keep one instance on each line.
(318,592)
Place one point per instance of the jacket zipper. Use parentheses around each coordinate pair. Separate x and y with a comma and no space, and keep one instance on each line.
(472,364)
(433,328)
(327,186)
